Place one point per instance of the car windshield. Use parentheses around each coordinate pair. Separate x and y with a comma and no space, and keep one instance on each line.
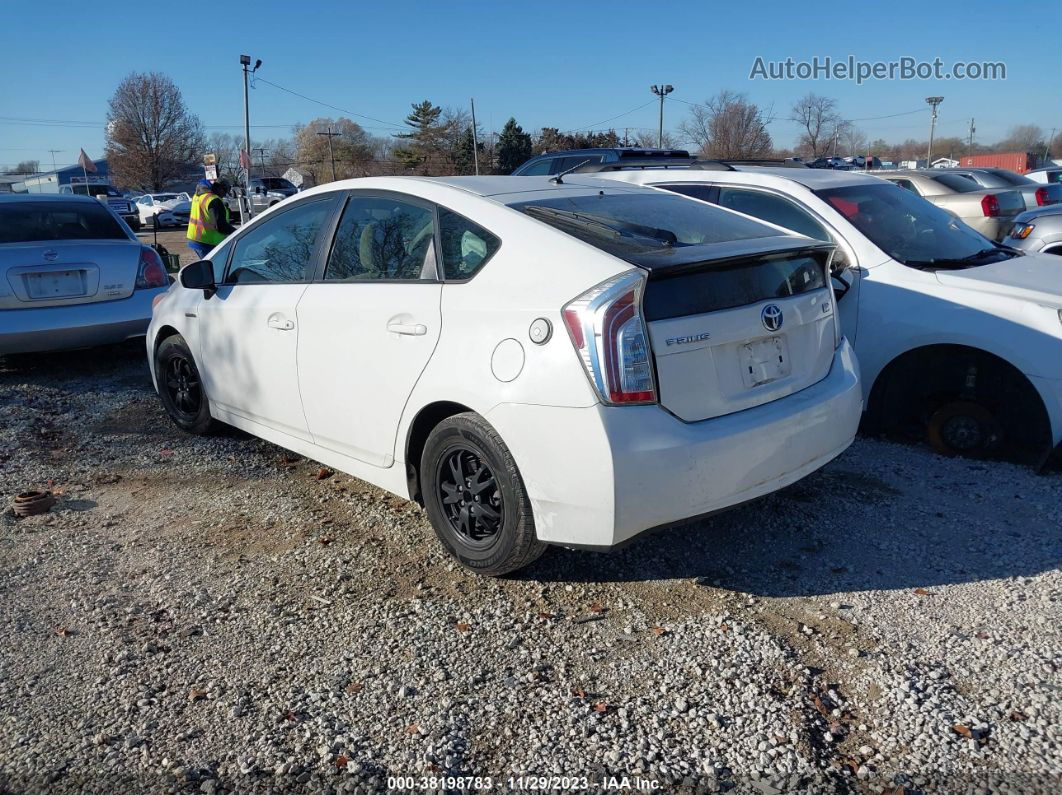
(273,183)
(627,225)
(29,222)
(910,229)
(165,197)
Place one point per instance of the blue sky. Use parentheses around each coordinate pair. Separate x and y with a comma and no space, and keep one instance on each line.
(564,65)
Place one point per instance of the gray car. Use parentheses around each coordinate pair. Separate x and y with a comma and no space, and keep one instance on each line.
(1038,231)
(72,275)
(990,211)
(1035,194)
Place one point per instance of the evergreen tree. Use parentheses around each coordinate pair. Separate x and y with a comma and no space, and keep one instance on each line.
(465,156)
(514,147)
(424,135)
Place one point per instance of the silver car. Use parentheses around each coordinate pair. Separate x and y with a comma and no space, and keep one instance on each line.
(72,275)
(1038,231)
(990,212)
(1035,194)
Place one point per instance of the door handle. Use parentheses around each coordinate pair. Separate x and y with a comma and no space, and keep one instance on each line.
(412,329)
(280,323)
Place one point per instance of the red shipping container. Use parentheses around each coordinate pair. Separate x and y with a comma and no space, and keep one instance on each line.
(1018,162)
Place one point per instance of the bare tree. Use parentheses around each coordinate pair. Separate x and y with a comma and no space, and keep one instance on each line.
(28,167)
(151,135)
(729,127)
(1023,138)
(647,139)
(853,140)
(353,150)
(821,122)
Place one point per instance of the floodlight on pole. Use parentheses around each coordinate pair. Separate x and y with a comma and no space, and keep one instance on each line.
(661,91)
(933,102)
(245,158)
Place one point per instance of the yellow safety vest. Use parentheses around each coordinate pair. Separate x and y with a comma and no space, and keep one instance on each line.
(201,227)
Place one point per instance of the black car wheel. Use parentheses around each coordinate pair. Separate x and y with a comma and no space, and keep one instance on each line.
(475,497)
(181,387)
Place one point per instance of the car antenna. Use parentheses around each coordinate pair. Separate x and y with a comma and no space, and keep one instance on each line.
(558,179)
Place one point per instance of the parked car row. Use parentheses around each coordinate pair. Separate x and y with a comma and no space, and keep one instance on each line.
(616,343)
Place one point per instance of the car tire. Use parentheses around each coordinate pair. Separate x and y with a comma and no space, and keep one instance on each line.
(491,531)
(135,224)
(181,388)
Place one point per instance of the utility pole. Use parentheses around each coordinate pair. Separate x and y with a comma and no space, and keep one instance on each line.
(475,136)
(969,137)
(245,158)
(661,91)
(1047,148)
(331,154)
(934,102)
(261,150)
(52,153)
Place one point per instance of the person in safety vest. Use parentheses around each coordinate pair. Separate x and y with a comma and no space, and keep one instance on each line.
(208,221)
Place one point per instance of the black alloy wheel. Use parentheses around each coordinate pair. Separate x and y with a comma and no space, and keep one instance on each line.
(181,381)
(470,497)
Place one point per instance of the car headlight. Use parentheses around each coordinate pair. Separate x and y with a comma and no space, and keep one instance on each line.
(1022,231)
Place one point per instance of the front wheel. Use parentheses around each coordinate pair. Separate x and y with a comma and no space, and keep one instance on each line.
(475,497)
(181,387)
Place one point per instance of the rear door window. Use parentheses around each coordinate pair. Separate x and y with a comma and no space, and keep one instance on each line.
(31,222)
(381,238)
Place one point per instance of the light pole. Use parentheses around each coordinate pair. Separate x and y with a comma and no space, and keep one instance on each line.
(933,103)
(245,61)
(661,91)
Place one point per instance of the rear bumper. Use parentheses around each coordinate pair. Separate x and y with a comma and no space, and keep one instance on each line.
(599,476)
(52,328)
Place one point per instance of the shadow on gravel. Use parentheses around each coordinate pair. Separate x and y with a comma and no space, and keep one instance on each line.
(110,367)
(841,530)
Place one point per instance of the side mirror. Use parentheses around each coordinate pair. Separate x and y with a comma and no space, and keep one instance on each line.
(200,276)
(838,267)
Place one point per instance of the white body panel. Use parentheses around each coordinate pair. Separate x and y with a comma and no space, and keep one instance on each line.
(344,387)
(1009,309)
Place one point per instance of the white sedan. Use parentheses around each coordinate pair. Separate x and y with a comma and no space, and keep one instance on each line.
(535,362)
(171,209)
(959,338)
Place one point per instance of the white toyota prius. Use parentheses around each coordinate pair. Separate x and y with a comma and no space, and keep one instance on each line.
(537,362)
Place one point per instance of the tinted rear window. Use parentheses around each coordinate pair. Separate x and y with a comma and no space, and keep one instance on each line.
(28,222)
(734,284)
(957,182)
(627,225)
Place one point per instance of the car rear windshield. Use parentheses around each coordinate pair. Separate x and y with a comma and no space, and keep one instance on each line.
(628,225)
(732,284)
(1010,177)
(29,222)
(957,182)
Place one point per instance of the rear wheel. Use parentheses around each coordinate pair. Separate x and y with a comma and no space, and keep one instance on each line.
(181,388)
(475,497)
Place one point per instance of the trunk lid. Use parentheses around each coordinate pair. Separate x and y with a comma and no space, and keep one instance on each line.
(65,272)
(732,333)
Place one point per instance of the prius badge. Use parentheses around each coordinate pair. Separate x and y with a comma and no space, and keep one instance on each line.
(771,317)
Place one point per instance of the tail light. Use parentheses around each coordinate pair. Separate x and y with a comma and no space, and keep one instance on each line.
(1042,197)
(608,331)
(990,206)
(151,272)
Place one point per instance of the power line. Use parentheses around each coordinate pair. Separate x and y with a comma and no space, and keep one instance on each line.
(613,118)
(325,104)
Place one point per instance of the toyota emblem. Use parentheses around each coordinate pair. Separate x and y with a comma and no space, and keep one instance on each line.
(771,317)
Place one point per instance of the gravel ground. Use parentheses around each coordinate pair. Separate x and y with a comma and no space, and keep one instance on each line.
(210,614)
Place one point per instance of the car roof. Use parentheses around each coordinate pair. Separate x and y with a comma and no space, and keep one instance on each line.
(500,189)
(46,197)
(813,178)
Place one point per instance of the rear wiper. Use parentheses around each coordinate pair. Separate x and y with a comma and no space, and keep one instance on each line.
(663,236)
